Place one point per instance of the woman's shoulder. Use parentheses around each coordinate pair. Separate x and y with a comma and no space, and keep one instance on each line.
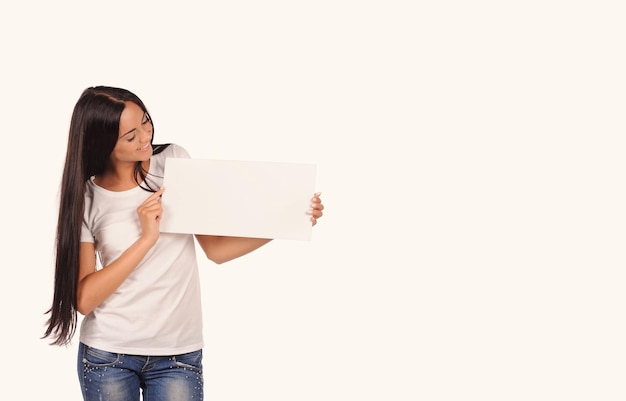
(162,152)
(170,150)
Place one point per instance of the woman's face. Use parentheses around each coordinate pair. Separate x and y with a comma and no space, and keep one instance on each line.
(133,143)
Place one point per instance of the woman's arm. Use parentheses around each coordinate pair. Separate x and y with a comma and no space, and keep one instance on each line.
(220,249)
(95,286)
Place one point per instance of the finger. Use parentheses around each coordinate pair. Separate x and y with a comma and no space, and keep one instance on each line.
(151,203)
(154,207)
(153,216)
(151,208)
(154,198)
(315,213)
(155,195)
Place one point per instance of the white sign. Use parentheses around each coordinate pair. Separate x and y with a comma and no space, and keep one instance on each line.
(238,198)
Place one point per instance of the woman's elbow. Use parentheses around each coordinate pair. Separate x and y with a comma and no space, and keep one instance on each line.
(215,258)
(83,309)
(83,306)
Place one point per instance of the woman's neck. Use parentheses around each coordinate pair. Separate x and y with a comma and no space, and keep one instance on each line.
(120,178)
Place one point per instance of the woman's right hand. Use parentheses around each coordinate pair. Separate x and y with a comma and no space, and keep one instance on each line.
(95,286)
(150,212)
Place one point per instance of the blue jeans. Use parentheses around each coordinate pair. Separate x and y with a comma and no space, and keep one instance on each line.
(108,376)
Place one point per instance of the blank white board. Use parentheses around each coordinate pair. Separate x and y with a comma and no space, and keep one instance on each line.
(238,198)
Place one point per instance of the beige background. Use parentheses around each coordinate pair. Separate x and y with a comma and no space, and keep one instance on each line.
(470,156)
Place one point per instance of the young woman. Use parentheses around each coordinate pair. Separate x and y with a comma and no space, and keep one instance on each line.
(137,288)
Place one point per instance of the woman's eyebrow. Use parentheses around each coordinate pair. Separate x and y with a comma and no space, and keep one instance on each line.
(145,115)
(123,135)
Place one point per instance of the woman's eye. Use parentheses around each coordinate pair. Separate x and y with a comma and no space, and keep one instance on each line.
(131,139)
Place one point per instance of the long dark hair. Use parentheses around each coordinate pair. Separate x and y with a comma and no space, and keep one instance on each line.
(94,130)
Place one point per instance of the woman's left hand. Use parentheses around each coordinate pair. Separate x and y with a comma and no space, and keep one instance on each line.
(316,208)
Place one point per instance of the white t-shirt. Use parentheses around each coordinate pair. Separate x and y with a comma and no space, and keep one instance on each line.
(157,309)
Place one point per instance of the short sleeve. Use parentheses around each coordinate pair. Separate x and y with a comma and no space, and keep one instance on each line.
(179,151)
(85,234)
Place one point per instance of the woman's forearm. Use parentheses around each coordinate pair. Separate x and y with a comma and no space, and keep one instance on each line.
(221,249)
(96,287)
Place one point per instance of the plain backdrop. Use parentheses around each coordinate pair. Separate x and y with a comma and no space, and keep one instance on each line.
(470,157)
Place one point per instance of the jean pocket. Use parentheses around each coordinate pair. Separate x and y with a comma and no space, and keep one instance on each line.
(97,357)
(191,360)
